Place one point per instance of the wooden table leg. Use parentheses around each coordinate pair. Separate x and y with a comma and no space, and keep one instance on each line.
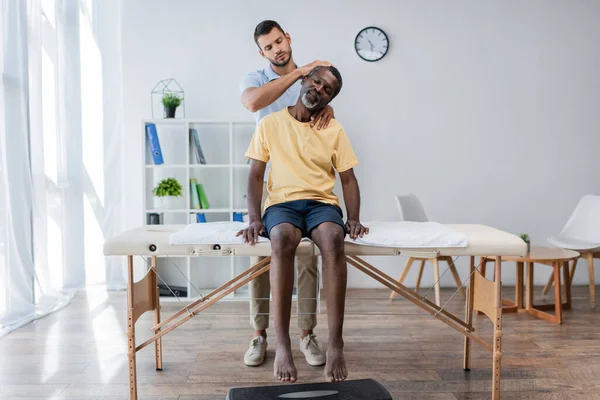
(509,306)
(557,293)
(483,264)
(589,256)
(570,274)
(156,311)
(469,314)
(497,329)
(529,286)
(539,310)
(519,285)
(567,283)
(131,331)
(436,279)
(482,268)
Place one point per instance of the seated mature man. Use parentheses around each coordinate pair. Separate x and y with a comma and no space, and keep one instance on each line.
(301,203)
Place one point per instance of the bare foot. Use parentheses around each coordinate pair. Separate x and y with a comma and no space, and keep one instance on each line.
(335,369)
(283,366)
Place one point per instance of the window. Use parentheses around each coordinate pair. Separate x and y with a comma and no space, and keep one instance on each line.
(92,119)
(48,223)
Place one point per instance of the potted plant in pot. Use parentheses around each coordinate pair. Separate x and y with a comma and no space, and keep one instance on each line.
(167,192)
(171,102)
(525,238)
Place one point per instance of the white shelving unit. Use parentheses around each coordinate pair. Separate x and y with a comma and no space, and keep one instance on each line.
(224,177)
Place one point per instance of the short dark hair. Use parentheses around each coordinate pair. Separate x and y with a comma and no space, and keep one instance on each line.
(264,28)
(335,73)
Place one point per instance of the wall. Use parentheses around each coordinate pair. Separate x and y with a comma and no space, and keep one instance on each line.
(486,110)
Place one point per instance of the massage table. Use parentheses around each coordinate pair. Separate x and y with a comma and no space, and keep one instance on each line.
(154,241)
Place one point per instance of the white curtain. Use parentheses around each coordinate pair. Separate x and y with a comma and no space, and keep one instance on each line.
(108,34)
(27,293)
(17,266)
(60,142)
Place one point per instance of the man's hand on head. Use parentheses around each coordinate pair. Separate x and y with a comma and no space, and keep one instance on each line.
(356,229)
(305,70)
(324,115)
(252,232)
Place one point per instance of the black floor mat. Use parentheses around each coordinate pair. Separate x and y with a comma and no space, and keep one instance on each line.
(363,389)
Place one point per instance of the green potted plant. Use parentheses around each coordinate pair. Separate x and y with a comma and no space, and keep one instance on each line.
(171,101)
(167,193)
(525,238)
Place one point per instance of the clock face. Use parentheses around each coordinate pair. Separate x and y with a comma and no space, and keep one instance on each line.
(371,44)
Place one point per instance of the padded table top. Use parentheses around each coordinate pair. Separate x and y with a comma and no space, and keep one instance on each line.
(153,240)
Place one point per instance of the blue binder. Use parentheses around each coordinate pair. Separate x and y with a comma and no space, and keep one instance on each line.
(200,218)
(237,216)
(154,144)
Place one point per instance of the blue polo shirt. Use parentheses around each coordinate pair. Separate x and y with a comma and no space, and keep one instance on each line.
(264,76)
(287,99)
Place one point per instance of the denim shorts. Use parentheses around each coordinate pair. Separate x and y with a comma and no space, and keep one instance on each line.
(305,215)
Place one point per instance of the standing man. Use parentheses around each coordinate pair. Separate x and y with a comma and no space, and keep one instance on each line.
(263,92)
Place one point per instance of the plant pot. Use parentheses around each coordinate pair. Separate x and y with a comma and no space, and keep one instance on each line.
(166,202)
(170,112)
(528,247)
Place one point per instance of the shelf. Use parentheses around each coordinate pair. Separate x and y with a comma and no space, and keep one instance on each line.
(213,153)
(181,121)
(198,166)
(242,296)
(165,210)
(166,166)
(195,210)
(218,165)
(210,210)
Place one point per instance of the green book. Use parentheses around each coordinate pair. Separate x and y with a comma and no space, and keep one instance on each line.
(202,194)
(194,194)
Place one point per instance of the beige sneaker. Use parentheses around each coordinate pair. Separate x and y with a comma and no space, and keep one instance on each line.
(256,353)
(311,350)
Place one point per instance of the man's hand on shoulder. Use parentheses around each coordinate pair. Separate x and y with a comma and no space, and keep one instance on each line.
(305,70)
(252,232)
(324,115)
(356,229)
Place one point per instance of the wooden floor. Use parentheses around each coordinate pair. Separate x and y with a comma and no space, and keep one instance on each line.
(80,352)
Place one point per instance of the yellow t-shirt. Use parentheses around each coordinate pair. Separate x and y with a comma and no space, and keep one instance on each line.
(302,158)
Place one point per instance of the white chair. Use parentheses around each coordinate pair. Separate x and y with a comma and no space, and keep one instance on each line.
(410,209)
(581,233)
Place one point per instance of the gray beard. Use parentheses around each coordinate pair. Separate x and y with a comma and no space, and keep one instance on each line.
(307,103)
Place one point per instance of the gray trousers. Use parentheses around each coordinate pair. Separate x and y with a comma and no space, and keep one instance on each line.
(307,291)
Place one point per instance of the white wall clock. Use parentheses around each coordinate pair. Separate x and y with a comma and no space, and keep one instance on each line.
(371,44)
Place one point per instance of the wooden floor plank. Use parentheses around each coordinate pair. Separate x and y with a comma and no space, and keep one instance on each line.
(80,352)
